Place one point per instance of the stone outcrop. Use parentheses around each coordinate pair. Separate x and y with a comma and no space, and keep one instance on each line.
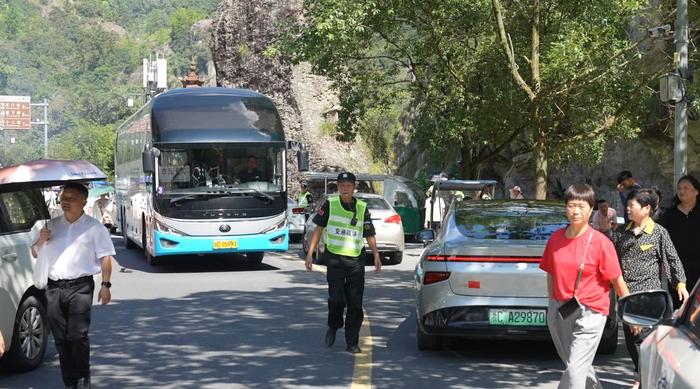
(242,31)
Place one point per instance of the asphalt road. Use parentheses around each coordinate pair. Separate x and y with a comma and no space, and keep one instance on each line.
(214,322)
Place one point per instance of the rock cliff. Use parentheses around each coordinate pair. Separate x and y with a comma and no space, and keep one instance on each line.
(241,33)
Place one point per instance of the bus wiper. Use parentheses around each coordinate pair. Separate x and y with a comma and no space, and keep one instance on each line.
(262,196)
(192,196)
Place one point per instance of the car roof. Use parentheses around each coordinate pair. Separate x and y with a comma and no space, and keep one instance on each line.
(367,195)
(485,204)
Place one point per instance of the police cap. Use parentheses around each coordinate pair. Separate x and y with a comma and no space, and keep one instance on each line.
(346,176)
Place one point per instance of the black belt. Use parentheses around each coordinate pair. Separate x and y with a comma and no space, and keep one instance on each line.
(67,283)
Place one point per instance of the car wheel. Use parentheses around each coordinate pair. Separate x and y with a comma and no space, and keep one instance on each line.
(608,343)
(426,341)
(31,331)
(254,258)
(396,258)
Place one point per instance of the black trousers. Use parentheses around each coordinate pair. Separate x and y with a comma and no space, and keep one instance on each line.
(346,285)
(69,304)
(632,342)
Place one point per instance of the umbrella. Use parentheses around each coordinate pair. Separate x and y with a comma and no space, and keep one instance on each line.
(43,173)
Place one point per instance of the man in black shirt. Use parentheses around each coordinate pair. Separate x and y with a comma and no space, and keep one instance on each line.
(251,172)
(348,224)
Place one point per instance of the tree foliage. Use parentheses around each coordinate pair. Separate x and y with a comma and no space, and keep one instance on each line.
(579,81)
(85,57)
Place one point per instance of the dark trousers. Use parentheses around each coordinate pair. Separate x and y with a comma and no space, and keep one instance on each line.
(346,285)
(632,342)
(69,304)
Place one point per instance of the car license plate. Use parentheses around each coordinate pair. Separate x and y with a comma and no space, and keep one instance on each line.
(225,244)
(517,317)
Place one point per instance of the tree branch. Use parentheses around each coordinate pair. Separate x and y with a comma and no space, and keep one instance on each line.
(507,48)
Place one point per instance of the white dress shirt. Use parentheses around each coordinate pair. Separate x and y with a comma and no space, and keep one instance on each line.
(76,249)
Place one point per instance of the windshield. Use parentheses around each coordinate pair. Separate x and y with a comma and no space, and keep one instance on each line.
(200,169)
(510,222)
(374,203)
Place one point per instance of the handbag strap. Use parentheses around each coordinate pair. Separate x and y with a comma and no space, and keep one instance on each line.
(583,261)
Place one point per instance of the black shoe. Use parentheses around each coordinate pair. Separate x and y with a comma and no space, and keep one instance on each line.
(330,337)
(84,383)
(353,349)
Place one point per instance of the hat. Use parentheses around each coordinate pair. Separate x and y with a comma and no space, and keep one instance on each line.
(346,176)
(515,188)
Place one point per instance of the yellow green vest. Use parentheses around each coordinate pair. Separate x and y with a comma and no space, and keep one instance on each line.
(303,199)
(341,237)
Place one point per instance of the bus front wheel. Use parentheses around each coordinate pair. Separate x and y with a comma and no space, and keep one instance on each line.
(254,258)
(150,259)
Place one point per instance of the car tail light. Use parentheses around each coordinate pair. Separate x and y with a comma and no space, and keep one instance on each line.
(432,277)
(471,258)
(297,211)
(393,219)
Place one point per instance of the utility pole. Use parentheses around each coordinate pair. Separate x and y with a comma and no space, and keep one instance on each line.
(45,104)
(680,57)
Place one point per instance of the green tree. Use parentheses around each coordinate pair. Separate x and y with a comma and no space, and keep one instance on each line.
(88,141)
(581,73)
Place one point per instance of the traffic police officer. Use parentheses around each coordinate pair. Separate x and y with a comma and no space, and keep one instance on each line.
(305,198)
(347,223)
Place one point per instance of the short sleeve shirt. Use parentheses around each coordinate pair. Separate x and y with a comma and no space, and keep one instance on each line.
(562,257)
(76,249)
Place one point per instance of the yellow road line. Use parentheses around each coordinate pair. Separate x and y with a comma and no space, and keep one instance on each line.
(362,370)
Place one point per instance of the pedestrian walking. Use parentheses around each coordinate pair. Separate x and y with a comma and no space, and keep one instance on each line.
(347,223)
(76,247)
(625,184)
(516,193)
(646,253)
(682,221)
(605,218)
(434,210)
(581,265)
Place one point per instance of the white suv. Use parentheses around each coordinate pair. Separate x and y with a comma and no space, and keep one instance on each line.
(23,320)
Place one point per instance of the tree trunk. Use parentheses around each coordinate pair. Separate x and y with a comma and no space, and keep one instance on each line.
(468,169)
(540,152)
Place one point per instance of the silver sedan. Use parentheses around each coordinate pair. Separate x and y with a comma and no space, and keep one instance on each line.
(480,277)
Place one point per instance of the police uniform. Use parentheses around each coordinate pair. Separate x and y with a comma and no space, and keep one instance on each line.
(347,225)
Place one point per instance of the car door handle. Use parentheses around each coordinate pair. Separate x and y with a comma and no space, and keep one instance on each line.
(9,256)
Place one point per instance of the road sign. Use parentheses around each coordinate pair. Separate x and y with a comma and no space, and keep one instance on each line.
(15,113)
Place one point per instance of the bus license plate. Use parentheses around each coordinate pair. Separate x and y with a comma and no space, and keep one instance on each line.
(225,244)
(517,317)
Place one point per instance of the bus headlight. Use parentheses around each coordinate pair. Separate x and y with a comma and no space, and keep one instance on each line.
(279,226)
(160,226)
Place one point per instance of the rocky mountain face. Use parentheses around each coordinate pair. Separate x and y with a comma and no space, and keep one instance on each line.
(241,32)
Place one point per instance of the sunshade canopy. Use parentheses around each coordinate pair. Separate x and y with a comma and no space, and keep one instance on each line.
(48,172)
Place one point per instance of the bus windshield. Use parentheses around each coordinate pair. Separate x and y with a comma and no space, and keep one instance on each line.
(201,168)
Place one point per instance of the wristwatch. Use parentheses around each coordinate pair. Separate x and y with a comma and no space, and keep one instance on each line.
(107,284)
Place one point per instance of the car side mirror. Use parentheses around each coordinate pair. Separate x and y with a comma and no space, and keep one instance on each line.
(645,309)
(425,236)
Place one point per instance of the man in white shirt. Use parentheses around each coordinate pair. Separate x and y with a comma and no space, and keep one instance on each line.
(438,209)
(76,247)
(604,219)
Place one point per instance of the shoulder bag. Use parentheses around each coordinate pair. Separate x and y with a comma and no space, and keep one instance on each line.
(573,306)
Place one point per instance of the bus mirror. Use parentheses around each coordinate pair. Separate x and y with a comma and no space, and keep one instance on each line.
(303,160)
(148,159)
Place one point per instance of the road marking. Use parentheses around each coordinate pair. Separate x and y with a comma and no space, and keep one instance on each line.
(362,370)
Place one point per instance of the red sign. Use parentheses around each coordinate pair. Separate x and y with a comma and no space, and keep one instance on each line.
(15,113)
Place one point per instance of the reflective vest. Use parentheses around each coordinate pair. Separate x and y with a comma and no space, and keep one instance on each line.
(341,237)
(303,199)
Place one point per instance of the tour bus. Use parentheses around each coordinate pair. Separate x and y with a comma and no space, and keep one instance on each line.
(203,171)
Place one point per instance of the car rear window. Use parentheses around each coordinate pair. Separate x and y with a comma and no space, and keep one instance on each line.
(374,203)
(510,222)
